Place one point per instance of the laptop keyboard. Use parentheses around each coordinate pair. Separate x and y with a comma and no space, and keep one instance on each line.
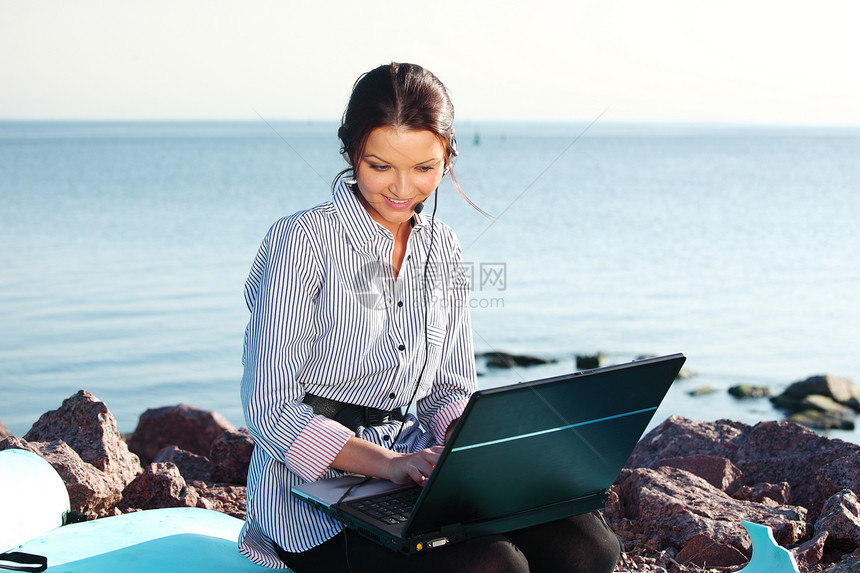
(390,508)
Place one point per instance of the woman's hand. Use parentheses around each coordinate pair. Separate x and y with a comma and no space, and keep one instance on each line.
(416,467)
(366,458)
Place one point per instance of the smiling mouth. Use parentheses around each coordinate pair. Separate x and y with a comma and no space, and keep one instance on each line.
(397,202)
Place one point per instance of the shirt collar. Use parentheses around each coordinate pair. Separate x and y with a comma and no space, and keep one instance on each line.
(360,226)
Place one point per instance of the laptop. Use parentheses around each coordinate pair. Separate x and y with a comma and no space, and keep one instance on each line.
(519,456)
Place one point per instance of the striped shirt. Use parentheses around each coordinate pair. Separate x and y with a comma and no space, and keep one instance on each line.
(328,318)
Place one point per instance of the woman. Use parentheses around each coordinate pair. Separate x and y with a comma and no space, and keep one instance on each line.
(359,308)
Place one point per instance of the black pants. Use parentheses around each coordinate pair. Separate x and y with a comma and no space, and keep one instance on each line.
(579,544)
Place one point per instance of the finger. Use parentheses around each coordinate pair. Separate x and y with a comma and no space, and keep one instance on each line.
(416,474)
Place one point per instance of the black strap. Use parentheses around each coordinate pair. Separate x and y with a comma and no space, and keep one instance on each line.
(17,561)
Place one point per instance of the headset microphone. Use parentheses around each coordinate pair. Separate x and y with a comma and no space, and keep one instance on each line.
(419,207)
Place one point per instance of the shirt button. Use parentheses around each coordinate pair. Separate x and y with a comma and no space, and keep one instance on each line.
(392,396)
(400,303)
(401,347)
(386,438)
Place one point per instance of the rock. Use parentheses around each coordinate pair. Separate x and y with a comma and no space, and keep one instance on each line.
(782,451)
(505,360)
(589,361)
(821,420)
(160,485)
(702,391)
(849,564)
(677,437)
(16,443)
(841,390)
(842,473)
(746,391)
(686,373)
(191,466)
(231,455)
(811,552)
(91,491)
(825,404)
(840,518)
(4,431)
(227,499)
(702,551)
(85,424)
(772,494)
(673,506)
(719,472)
(189,428)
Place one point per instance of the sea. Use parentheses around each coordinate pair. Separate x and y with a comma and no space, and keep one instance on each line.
(124,248)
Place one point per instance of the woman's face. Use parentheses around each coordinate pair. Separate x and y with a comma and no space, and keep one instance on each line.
(398,169)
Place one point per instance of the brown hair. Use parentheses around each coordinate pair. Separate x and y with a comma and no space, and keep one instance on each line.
(400,96)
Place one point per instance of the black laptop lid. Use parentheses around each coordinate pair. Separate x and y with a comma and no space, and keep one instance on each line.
(535,444)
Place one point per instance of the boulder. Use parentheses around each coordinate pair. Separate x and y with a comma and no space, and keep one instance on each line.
(746,391)
(678,437)
(717,471)
(16,443)
(841,473)
(160,485)
(702,551)
(91,491)
(589,361)
(505,360)
(773,452)
(772,494)
(191,466)
(188,428)
(840,519)
(673,506)
(810,553)
(4,431)
(231,455)
(849,564)
(821,420)
(841,390)
(85,424)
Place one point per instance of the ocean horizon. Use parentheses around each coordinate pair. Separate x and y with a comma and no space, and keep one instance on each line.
(125,247)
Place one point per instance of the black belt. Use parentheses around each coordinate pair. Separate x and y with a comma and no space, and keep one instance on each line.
(356,418)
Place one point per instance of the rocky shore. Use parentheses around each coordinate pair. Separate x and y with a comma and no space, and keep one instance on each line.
(677,506)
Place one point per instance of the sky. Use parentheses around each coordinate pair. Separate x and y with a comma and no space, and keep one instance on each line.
(737,61)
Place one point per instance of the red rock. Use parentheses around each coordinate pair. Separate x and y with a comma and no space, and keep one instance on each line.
(191,429)
(776,493)
(227,499)
(160,485)
(85,424)
(673,506)
(704,552)
(840,518)
(783,451)
(843,473)
(811,552)
(848,564)
(91,491)
(16,443)
(231,454)
(191,466)
(681,437)
(717,471)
